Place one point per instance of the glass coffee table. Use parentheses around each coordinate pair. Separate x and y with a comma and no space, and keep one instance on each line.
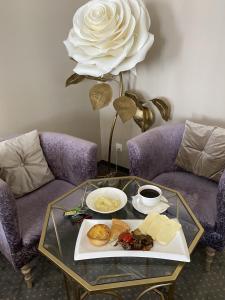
(109,275)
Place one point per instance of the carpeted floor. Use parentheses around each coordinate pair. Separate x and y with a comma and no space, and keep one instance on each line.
(193,283)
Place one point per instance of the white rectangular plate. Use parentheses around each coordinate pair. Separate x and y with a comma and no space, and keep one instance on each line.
(176,250)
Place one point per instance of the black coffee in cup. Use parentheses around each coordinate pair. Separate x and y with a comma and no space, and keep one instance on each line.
(149,193)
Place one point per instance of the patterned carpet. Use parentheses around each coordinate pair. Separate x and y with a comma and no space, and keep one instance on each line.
(193,283)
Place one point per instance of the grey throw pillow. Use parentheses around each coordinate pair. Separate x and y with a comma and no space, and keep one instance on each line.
(22,164)
(202,150)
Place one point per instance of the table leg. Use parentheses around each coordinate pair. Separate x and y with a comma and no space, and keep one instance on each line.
(153,289)
(111,293)
(77,293)
(66,287)
(171,291)
(73,291)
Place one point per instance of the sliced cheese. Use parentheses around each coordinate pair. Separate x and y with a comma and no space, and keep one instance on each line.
(160,228)
(155,226)
(146,223)
(167,232)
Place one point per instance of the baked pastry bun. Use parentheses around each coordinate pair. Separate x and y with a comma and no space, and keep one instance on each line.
(99,235)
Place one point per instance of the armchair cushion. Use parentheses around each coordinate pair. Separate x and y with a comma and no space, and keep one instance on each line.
(199,192)
(31,222)
(22,164)
(202,150)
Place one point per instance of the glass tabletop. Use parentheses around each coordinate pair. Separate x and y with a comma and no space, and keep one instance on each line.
(59,237)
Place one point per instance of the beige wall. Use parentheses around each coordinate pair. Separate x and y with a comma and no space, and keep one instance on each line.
(186,65)
(33,68)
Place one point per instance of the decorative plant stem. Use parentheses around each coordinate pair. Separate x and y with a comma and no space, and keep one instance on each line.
(114,124)
(110,142)
(129,105)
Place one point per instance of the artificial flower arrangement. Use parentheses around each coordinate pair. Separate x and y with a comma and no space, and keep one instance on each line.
(108,38)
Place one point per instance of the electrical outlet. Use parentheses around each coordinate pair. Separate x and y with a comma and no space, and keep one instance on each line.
(119,147)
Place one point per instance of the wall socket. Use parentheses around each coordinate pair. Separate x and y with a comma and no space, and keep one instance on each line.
(119,147)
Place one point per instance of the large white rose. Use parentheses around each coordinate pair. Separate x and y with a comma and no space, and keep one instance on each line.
(109,36)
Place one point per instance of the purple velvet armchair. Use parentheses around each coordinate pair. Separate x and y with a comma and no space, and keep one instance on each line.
(152,156)
(71,160)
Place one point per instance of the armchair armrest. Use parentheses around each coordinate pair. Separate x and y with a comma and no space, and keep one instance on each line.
(10,239)
(220,219)
(70,158)
(154,152)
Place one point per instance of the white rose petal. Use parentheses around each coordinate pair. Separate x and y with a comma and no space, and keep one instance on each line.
(130,62)
(109,36)
(91,70)
(108,63)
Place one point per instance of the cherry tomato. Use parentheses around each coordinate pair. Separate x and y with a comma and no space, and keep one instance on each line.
(126,237)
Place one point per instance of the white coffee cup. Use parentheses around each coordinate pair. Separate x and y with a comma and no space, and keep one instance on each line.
(148,198)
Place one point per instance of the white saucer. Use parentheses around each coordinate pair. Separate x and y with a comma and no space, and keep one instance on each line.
(159,207)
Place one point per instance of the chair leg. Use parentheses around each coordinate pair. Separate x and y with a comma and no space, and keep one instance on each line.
(210,253)
(26,271)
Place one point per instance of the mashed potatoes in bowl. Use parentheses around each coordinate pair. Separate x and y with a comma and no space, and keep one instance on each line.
(105,204)
(106,200)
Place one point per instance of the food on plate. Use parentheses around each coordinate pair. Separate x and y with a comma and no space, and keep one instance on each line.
(167,232)
(135,241)
(143,227)
(118,227)
(160,228)
(106,204)
(99,234)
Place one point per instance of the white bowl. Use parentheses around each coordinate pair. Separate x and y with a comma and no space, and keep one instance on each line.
(109,192)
